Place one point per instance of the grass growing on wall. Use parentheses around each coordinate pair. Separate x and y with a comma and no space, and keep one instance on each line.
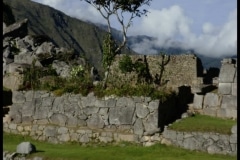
(122,151)
(204,123)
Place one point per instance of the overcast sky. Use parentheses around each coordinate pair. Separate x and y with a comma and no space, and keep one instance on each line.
(207,26)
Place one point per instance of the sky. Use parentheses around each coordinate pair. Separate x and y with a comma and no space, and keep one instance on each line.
(209,27)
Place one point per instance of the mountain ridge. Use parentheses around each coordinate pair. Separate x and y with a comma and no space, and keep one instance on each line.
(85,37)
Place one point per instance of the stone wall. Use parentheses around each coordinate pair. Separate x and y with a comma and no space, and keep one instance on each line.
(69,117)
(213,143)
(184,69)
(222,103)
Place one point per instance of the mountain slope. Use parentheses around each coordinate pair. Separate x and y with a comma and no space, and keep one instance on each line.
(63,30)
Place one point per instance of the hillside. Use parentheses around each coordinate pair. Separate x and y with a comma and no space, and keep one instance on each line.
(85,37)
(63,30)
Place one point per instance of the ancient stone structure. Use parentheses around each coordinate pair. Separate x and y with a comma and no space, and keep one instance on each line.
(209,142)
(222,103)
(180,70)
(77,118)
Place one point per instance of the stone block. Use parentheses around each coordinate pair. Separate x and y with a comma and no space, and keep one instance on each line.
(211,100)
(128,137)
(234,129)
(210,111)
(58,119)
(153,105)
(141,110)
(231,113)
(151,123)
(222,113)
(197,101)
(95,122)
(234,89)
(26,148)
(229,102)
(233,138)
(18,97)
(121,115)
(138,127)
(225,88)
(50,131)
(227,73)
(235,78)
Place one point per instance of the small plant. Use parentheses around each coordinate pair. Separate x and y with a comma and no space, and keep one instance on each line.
(126,64)
(77,71)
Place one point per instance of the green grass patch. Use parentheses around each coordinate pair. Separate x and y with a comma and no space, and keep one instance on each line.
(122,151)
(204,123)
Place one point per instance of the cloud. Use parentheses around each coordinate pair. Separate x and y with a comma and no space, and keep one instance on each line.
(172,28)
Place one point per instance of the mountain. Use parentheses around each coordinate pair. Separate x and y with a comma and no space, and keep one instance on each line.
(64,31)
(85,37)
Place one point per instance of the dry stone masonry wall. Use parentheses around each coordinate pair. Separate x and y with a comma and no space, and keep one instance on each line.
(77,118)
(223,103)
(184,69)
(208,142)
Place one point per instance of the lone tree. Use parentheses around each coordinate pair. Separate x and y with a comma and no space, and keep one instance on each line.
(120,9)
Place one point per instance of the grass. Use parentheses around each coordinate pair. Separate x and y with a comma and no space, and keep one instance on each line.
(204,124)
(123,151)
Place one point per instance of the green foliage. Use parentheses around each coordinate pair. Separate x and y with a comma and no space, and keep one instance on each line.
(77,71)
(126,64)
(109,47)
(32,75)
(208,124)
(102,151)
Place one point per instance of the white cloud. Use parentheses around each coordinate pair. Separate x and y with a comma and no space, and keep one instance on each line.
(172,28)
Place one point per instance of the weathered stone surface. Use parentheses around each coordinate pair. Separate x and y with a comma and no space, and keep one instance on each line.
(95,122)
(72,122)
(122,102)
(90,110)
(62,130)
(151,124)
(58,119)
(88,101)
(211,100)
(227,73)
(61,68)
(229,101)
(142,110)
(41,113)
(50,131)
(84,139)
(121,115)
(191,143)
(213,149)
(225,88)
(138,127)
(13,81)
(28,109)
(153,105)
(127,137)
(64,137)
(58,105)
(198,101)
(100,103)
(110,103)
(234,89)
(45,47)
(234,129)
(18,29)
(233,138)
(26,148)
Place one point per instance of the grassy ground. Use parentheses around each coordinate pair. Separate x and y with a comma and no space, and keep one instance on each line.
(122,151)
(203,123)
